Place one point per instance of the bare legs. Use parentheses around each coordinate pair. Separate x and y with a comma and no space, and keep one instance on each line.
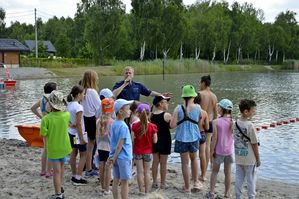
(194,168)
(162,160)
(123,191)
(143,175)
(203,162)
(58,168)
(90,146)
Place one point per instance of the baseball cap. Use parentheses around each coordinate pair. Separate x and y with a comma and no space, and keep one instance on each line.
(106,92)
(159,98)
(107,105)
(144,106)
(226,104)
(119,103)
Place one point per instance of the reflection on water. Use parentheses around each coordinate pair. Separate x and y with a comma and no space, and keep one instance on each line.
(276,94)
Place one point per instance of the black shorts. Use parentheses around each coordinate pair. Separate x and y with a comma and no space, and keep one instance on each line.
(210,130)
(163,146)
(103,155)
(80,147)
(90,127)
(203,138)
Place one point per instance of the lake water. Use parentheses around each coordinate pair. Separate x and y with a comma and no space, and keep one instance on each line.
(276,94)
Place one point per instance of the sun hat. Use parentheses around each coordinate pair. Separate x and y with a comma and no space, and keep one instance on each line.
(56,100)
(119,103)
(188,91)
(226,104)
(144,106)
(159,98)
(107,105)
(106,92)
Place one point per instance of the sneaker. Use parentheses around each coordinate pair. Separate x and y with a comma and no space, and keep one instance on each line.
(91,173)
(57,196)
(106,193)
(79,182)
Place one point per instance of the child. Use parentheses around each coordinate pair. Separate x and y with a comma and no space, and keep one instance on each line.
(78,136)
(222,146)
(204,125)
(54,127)
(246,149)
(162,148)
(144,135)
(187,136)
(121,153)
(41,103)
(103,138)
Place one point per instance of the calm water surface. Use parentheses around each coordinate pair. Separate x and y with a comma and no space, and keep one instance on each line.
(276,94)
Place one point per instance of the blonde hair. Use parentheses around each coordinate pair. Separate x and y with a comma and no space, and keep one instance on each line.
(90,79)
(128,68)
(143,122)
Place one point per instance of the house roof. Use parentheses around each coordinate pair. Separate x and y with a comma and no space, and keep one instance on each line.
(48,44)
(12,45)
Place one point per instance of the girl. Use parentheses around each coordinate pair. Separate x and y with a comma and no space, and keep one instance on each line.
(54,127)
(203,127)
(77,134)
(103,138)
(187,118)
(91,105)
(162,148)
(41,103)
(144,135)
(222,146)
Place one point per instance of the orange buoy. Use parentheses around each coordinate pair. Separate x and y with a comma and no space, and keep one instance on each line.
(279,123)
(272,125)
(264,127)
(286,122)
(293,120)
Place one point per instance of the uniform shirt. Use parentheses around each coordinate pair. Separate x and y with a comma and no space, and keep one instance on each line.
(243,150)
(120,130)
(54,126)
(143,144)
(73,108)
(132,91)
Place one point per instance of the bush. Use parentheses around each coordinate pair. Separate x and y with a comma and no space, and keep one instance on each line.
(290,64)
(54,63)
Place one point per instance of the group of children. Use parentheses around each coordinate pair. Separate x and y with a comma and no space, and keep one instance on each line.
(128,133)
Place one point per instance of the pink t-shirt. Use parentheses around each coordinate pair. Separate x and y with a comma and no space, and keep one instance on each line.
(225,139)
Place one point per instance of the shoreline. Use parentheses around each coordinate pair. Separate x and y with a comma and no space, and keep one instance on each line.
(20,168)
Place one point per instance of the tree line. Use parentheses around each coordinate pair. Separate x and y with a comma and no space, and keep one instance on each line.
(101,30)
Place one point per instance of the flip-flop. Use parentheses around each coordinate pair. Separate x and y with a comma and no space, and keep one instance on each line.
(197,187)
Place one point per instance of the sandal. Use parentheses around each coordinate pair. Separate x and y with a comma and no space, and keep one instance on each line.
(211,195)
(49,174)
(184,190)
(43,173)
(197,187)
(155,186)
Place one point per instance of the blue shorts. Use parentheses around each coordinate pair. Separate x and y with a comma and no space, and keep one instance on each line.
(183,147)
(122,169)
(203,138)
(63,160)
(81,147)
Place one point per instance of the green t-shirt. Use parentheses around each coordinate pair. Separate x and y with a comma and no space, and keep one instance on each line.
(54,127)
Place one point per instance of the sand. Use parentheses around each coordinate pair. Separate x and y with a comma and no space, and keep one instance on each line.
(20,168)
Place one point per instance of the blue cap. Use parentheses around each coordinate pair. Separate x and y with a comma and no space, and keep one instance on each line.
(106,92)
(119,103)
(226,104)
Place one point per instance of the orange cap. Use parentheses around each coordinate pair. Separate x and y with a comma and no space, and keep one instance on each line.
(107,105)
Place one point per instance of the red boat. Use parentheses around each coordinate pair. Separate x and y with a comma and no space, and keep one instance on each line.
(9,83)
(30,132)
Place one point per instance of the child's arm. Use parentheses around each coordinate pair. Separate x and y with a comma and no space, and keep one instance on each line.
(214,137)
(98,126)
(118,149)
(174,119)
(155,138)
(79,127)
(255,149)
(34,109)
(206,126)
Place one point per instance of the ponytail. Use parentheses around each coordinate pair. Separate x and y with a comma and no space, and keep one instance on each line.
(76,90)
(143,122)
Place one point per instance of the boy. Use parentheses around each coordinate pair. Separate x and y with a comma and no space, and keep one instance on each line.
(54,127)
(246,149)
(120,155)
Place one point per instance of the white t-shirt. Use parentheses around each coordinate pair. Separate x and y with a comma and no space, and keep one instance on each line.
(91,103)
(73,108)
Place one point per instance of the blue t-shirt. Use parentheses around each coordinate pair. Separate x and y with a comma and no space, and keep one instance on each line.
(188,131)
(120,130)
(132,91)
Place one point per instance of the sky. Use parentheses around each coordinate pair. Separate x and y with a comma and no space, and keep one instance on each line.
(23,10)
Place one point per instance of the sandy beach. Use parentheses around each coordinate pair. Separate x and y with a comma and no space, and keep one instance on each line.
(20,168)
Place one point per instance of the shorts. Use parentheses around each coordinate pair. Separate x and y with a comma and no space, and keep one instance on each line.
(63,160)
(210,130)
(163,146)
(144,157)
(103,155)
(90,127)
(80,147)
(219,159)
(203,137)
(122,169)
(183,147)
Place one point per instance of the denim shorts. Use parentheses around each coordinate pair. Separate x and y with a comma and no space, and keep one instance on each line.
(122,169)
(203,138)
(219,159)
(58,160)
(183,147)
(144,157)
